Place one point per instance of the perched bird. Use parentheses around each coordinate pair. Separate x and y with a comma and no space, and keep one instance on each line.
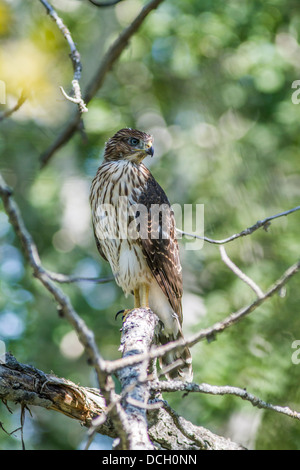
(135,232)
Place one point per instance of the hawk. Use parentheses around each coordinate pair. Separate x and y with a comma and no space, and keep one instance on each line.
(135,232)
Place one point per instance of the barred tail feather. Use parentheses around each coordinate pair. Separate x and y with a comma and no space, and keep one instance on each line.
(176,364)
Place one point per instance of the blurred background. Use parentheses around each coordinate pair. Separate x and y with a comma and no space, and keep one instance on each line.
(212,81)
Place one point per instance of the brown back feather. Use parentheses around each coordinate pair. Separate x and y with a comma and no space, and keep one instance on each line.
(162,255)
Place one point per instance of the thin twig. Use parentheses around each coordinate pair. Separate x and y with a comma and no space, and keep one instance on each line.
(75,58)
(206,333)
(85,335)
(95,84)
(265,223)
(172,386)
(31,253)
(240,273)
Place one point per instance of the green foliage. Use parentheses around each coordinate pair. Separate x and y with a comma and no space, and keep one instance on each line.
(212,82)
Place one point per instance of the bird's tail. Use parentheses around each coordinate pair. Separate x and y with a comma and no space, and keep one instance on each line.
(176,364)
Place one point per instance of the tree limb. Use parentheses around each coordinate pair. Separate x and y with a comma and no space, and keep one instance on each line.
(172,386)
(237,271)
(85,335)
(265,223)
(210,332)
(29,386)
(125,413)
(137,337)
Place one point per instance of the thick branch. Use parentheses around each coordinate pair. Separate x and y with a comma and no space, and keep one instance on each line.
(24,384)
(27,385)
(137,337)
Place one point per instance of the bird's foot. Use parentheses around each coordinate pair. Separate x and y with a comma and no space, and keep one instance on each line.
(124,314)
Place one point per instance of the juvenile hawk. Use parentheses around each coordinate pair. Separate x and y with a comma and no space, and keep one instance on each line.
(137,239)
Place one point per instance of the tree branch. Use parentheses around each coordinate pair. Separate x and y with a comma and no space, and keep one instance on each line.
(137,337)
(95,84)
(85,335)
(206,333)
(125,413)
(29,386)
(265,223)
(175,386)
(240,273)
(75,58)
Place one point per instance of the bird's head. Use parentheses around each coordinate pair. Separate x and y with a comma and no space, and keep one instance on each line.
(129,144)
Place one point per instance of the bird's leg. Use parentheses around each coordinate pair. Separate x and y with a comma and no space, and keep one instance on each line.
(144,296)
(141,300)
(137,302)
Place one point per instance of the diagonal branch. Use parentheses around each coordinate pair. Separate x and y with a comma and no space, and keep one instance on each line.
(172,386)
(31,253)
(95,84)
(22,383)
(210,332)
(237,271)
(265,223)
(85,335)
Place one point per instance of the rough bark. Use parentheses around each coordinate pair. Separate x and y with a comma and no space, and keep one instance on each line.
(24,384)
(137,337)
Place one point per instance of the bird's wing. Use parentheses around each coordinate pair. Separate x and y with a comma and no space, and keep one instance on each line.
(160,246)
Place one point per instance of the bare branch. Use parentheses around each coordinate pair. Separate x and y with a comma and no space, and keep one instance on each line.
(75,58)
(15,108)
(31,253)
(210,332)
(85,335)
(172,386)
(22,383)
(137,337)
(265,223)
(130,431)
(95,84)
(63,279)
(240,273)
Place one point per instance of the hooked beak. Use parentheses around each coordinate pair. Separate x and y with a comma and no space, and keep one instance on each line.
(150,149)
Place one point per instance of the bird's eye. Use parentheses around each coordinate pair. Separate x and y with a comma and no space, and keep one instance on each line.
(133,141)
